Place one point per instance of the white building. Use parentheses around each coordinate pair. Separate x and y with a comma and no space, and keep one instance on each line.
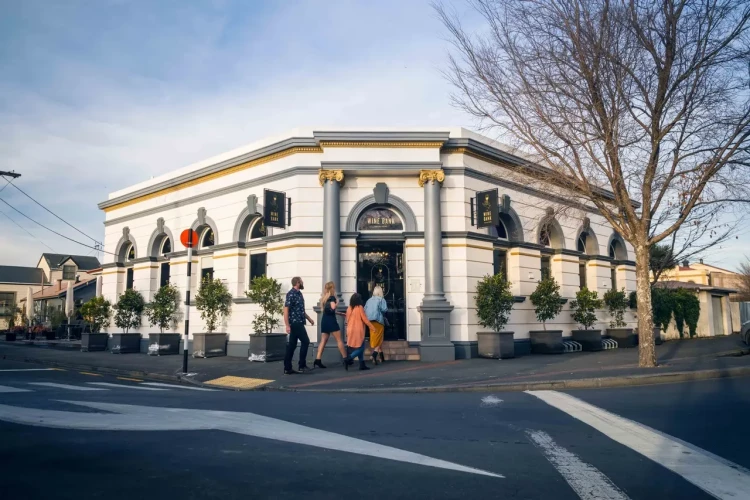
(367,205)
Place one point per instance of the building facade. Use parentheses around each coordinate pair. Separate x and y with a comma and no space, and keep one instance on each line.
(366,207)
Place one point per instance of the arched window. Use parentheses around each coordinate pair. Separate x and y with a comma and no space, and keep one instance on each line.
(617,250)
(502,231)
(380,219)
(207,238)
(258,230)
(257,258)
(165,269)
(129,256)
(581,244)
(544,235)
(166,246)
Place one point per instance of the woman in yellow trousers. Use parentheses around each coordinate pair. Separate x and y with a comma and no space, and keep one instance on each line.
(374,310)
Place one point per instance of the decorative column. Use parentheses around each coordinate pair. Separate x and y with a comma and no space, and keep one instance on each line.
(332,180)
(436,342)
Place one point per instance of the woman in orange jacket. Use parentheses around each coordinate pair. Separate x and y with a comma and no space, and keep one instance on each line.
(356,320)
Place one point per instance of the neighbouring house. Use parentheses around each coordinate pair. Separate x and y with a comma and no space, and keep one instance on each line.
(14,286)
(53,298)
(715,315)
(49,277)
(719,284)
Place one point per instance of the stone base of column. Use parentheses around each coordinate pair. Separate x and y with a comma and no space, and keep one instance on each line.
(436,342)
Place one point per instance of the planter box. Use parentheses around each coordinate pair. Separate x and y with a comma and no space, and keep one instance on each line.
(209,345)
(161,344)
(50,334)
(124,343)
(271,347)
(496,345)
(590,340)
(625,337)
(10,336)
(91,342)
(546,342)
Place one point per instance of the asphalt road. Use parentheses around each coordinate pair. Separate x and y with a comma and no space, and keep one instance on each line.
(121,439)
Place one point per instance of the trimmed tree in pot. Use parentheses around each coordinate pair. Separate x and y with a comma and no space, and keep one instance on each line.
(162,312)
(616,302)
(214,303)
(265,345)
(128,312)
(494,303)
(97,313)
(547,305)
(583,310)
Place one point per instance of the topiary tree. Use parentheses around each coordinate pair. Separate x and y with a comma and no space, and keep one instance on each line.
(214,302)
(616,302)
(96,312)
(266,292)
(162,311)
(129,309)
(584,307)
(494,302)
(546,300)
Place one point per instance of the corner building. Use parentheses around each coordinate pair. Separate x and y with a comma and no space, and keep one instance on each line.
(367,207)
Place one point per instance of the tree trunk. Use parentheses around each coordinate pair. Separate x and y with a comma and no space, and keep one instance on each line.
(646,348)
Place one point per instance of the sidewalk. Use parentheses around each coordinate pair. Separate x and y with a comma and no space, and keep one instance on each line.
(679,360)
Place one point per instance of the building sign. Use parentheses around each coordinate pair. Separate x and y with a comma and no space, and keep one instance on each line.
(274,203)
(380,219)
(487,213)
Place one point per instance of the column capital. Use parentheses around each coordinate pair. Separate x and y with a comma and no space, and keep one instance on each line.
(331,175)
(431,176)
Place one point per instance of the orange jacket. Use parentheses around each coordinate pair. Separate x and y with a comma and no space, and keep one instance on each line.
(355,326)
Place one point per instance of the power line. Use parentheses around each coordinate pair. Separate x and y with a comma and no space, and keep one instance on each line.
(48,210)
(53,231)
(27,231)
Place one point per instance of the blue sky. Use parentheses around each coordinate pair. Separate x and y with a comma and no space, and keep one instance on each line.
(98,95)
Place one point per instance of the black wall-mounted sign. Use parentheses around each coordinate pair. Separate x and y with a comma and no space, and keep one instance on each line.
(487,213)
(380,219)
(274,208)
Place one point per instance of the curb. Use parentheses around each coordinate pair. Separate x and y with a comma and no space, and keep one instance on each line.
(582,383)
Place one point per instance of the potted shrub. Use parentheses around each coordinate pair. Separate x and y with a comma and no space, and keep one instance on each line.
(162,312)
(97,313)
(494,303)
(15,332)
(214,303)
(583,310)
(265,345)
(12,333)
(616,302)
(547,305)
(128,312)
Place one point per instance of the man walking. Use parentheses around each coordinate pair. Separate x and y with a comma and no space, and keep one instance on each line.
(294,318)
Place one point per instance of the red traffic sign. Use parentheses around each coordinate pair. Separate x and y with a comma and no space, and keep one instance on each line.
(186,240)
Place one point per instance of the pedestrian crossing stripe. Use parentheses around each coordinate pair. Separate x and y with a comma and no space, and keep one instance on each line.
(66,386)
(6,390)
(232,382)
(125,386)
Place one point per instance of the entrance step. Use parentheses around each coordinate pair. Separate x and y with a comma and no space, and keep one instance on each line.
(397,350)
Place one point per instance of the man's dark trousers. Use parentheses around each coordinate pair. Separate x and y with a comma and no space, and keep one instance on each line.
(298,331)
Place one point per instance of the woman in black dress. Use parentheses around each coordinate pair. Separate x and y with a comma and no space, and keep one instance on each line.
(328,325)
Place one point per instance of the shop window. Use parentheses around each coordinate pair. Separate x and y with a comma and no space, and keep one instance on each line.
(129,278)
(500,263)
(546,267)
(164,274)
(257,265)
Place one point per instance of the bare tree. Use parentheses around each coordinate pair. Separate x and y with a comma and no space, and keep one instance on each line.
(640,108)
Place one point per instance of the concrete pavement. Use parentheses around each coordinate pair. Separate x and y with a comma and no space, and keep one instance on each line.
(679,360)
(694,431)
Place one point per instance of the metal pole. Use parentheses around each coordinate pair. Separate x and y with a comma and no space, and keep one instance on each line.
(187,303)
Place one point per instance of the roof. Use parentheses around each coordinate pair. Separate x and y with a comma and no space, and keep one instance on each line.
(21,275)
(60,289)
(673,285)
(84,262)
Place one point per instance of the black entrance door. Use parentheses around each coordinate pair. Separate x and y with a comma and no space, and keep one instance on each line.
(382,264)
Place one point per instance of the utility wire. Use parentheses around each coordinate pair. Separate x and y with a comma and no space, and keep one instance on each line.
(53,231)
(48,210)
(27,231)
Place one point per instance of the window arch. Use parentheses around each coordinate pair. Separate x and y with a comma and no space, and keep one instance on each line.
(380,218)
(258,229)
(616,248)
(550,234)
(581,243)
(207,238)
(166,246)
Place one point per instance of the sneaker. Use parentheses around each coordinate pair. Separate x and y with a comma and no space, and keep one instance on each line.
(290,372)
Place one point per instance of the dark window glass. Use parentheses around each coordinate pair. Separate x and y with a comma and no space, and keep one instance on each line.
(257,265)
(164,275)
(207,273)
(613,276)
(582,274)
(69,272)
(500,263)
(129,279)
(208,238)
(7,303)
(582,243)
(612,250)
(546,268)
(502,231)
(544,236)
(131,253)
(259,230)
(167,246)
(380,219)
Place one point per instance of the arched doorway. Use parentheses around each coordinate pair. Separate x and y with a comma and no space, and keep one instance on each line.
(381,262)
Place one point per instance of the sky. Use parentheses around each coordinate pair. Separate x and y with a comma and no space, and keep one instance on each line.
(99,95)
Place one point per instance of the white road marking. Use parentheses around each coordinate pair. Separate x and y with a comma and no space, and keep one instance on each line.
(29,370)
(5,389)
(585,479)
(66,386)
(125,386)
(714,475)
(149,418)
(172,386)
(491,401)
